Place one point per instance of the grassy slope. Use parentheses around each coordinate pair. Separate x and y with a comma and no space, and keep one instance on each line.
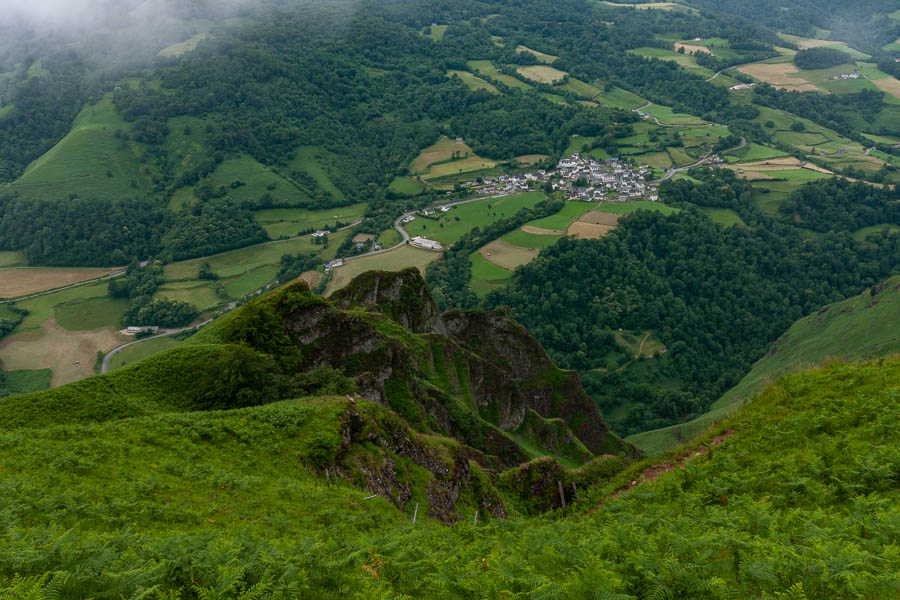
(803,497)
(848,330)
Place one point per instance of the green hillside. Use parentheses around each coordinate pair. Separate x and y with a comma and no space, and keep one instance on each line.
(794,498)
(860,328)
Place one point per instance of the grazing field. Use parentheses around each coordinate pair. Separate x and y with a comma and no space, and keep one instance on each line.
(624,208)
(558,222)
(395,260)
(803,43)
(323,166)
(487,68)
(486,277)
(530,159)
(466,165)
(888,84)
(588,231)
(406,186)
(436,32)
(19,281)
(580,88)
(686,61)
(184,47)
(84,314)
(619,98)
(201,295)
(600,218)
(861,234)
(723,216)
(135,353)
(448,227)
(540,230)
(667,117)
(11,259)
(473,81)
(290,222)
(542,74)
(530,240)
(442,150)
(692,48)
(89,161)
(40,309)
(544,58)
(554,98)
(507,256)
(69,354)
(756,152)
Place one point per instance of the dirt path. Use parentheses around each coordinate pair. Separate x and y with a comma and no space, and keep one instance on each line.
(641,348)
(654,472)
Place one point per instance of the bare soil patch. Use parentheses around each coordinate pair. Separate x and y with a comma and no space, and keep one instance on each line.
(69,354)
(600,218)
(506,255)
(22,281)
(779,75)
(362,237)
(312,278)
(588,231)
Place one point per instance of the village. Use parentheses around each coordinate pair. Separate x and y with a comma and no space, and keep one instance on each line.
(583,179)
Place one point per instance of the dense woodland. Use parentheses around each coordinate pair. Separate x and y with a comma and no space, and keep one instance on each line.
(716,297)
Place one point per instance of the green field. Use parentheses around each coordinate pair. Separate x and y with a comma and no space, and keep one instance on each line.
(11,259)
(448,227)
(395,260)
(686,61)
(89,313)
(865,232)
(570,211)
(41,309)
(142,350)
(89,161)
(724,216)
(667,117)
(200,295)
(487,68)
(855,329)
(753,152)
(406,186)
(529,240)
(624,208)
(541,56)
(322,166)
(437,32)
(289,222)
(580,88)
(473,82)
(486,276)
(619,98)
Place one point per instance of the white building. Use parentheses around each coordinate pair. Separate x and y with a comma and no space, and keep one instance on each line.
(320,233)
(425,243)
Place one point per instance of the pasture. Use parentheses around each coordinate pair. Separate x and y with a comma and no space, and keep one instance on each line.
(11,259)
(505,255)
(485,276)
(435,32)
(595,217)
(531,241)
(625,208)
(723,216)
(554,98)
(323,166)
(580,88)
(804,43)
(588,231)
(442,150)
(619,98)
(69,354)
(530,159)
(780,75)
(135,353)
(473,82)
(756,152)
(84,314)
(458,167)
(89,161)
(289,222)
(542,74)
(557,223)
(19,281)
(487,69)
(448,227)
(406,186)
(202,295)
(686,61)
(667,117)
(653,5)
(189,45)
(26,381)
(541,56)
(862,234)
(395,260)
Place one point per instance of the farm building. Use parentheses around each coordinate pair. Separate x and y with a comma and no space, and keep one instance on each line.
(425,243)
